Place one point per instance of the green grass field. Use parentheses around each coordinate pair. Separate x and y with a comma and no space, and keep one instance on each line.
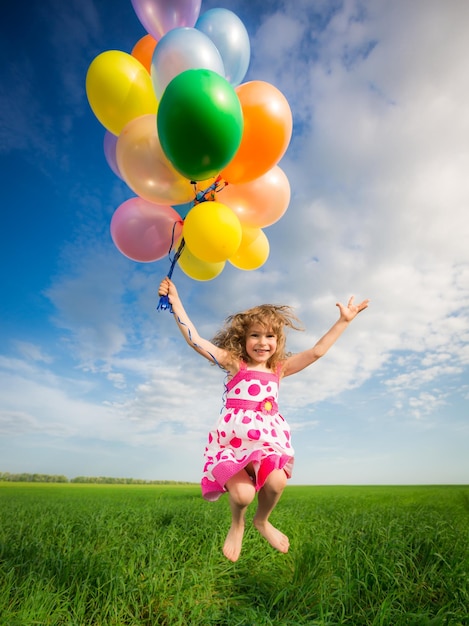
(95,555)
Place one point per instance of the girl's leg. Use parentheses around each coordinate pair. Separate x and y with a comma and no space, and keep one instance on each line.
(241,491)
(268,497)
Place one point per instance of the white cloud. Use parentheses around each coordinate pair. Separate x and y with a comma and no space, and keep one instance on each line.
(378,167)
(33,352)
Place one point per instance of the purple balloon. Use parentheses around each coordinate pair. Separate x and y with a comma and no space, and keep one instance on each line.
(109,145)
(160,16)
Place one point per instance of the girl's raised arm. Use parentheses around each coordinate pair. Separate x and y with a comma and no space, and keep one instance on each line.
(204,347)
(298,362)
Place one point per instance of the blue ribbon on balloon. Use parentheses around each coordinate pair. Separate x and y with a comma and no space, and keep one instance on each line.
(164,303)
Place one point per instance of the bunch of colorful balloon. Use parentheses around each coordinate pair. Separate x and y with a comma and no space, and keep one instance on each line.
(182,130)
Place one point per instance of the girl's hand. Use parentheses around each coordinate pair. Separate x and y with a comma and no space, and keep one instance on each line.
(167,288)
(347,313)
(163,289)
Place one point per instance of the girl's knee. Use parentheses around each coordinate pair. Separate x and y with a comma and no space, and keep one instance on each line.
(241,489)
(242,494)
(276,481)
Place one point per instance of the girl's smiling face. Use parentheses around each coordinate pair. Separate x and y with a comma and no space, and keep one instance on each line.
(261,344)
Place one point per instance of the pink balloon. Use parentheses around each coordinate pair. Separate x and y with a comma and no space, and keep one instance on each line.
(260,202)
(144,231)
(160,16)
(109,145)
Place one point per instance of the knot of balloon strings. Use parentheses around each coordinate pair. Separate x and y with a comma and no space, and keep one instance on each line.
(209,194)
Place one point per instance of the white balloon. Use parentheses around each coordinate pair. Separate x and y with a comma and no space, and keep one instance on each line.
(183,49)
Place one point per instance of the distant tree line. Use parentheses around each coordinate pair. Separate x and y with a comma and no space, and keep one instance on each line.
(25,477)
(109,480)
(104,480)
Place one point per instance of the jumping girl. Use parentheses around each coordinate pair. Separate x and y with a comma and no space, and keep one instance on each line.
(249,451)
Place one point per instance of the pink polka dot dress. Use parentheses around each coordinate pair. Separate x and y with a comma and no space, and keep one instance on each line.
(250,430)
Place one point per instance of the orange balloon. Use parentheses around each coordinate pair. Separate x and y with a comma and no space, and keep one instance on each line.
(268,125)
(260,202)
(143,51)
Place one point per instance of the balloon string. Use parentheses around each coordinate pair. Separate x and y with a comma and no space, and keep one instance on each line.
(196,345)
(200,196)
(176,257)
(164,303)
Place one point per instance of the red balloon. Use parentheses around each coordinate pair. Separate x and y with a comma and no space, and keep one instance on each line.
(144,231)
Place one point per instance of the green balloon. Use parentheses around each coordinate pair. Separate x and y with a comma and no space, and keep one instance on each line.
(200,123)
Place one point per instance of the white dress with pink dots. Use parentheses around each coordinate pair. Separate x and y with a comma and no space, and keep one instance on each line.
(250,430)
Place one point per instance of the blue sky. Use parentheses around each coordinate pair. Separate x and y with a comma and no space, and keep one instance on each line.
(96,381)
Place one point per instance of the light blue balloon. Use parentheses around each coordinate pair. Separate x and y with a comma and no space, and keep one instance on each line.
(231,38)
(183,49)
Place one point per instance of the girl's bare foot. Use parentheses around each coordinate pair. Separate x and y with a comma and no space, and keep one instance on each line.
(233,542)
(277,540)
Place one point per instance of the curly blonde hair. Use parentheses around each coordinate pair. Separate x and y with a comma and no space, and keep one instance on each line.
(232,336)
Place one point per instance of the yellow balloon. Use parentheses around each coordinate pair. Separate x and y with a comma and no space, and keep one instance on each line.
(119,89)
(212,231)
(197,269)
(253,251)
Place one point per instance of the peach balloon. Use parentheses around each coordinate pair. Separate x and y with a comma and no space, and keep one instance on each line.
(253,251)
(260,202)
(144,166)
(268,125)
(143,51)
